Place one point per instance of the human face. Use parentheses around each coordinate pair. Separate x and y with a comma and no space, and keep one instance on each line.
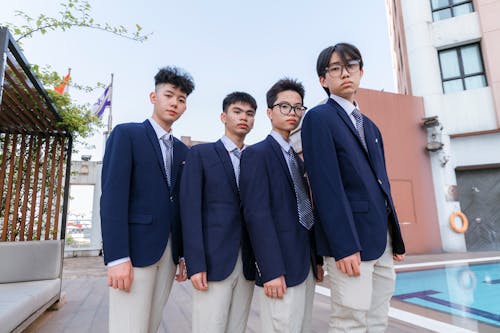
(343,85)
(169,104)
(238,120)
(284,124)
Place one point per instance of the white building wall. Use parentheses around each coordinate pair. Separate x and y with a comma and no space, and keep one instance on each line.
(455,31)
(466,111)
(476,150)
(88,173)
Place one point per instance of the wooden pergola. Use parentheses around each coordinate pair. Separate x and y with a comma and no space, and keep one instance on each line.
(35,153)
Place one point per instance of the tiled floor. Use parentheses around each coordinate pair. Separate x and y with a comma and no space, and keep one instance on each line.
(86,308)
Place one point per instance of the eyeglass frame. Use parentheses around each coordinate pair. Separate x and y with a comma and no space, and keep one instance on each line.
(294,108)
(344,67)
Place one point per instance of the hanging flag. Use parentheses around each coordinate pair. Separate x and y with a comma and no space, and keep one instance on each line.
(103,102)
(62,86)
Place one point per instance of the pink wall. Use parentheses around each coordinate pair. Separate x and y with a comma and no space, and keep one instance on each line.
(408,165)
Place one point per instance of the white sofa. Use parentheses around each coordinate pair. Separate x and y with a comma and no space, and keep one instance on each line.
(30,281)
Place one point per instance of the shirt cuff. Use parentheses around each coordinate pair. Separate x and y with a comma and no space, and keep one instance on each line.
(118,261)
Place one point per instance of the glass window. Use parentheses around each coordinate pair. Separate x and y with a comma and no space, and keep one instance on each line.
(471,57)
(463,9)
(462,68)
(453,86)
(443,9)
(442,14)
(477,81)
(449,64)
(439,3)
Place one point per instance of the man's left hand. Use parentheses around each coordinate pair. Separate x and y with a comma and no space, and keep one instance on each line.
(321,273)
(398,257)
(181,271)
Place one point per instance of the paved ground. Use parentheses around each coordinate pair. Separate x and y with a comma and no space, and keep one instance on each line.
(86,308)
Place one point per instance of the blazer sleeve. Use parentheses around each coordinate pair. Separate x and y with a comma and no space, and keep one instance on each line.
(255,184)
(115,181)
(191,205)
(330,199)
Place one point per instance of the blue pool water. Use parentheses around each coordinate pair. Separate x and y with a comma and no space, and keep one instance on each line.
(471,291)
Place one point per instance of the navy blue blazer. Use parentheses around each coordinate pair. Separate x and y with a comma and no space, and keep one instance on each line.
(139,211)
(282,246)
(212,220)
(350,186)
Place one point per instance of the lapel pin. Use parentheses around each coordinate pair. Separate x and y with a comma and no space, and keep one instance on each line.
(376,140)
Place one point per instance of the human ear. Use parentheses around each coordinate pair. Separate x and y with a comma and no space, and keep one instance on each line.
(322,81)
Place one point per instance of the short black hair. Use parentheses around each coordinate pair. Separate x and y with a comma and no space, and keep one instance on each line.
(284,85)
(177,77)
(238,96)
(345,51)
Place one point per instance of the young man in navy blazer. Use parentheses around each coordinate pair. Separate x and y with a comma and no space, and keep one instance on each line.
(141,229)
(278,213)
(358,230)
(217,250)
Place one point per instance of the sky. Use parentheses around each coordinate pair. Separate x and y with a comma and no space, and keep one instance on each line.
(226,45)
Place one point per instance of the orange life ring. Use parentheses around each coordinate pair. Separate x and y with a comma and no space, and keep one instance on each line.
(465,222)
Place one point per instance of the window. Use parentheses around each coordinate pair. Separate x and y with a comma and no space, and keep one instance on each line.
(462,68)
(443,9)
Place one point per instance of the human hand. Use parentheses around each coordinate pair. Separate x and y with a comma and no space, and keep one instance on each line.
(121,276)
(321,273)
(181,271)
(398,257)
(275,288)
(350,264)
(199,281)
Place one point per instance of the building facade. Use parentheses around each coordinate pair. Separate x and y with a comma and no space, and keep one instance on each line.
(447,52)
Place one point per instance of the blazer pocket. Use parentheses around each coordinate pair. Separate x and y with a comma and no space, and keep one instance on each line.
(358,206)
(140,219)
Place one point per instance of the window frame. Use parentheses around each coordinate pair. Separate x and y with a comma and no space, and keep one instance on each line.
(451,6)
(462,76)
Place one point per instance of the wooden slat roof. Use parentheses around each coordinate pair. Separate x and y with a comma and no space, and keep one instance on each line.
(25,106)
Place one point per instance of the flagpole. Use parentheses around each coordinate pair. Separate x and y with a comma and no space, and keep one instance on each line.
(110,115)
(67,85)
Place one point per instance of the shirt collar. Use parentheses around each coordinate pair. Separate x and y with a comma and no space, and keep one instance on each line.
(285,145)
(345,104)
(229,144)
(160,132)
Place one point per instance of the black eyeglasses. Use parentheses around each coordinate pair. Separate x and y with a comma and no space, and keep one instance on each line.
(286,108)
(351,67)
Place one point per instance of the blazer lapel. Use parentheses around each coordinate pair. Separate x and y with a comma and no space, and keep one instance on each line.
(343,115)
(371,141)
(279,154)
(156,147)
(176,162)
(226,162)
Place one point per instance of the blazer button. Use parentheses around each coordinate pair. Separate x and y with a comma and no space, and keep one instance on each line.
(379,181)
(171,198)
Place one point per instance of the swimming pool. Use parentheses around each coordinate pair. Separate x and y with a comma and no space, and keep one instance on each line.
(469,291)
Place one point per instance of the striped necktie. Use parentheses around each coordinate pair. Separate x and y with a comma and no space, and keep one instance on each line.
(167,143)
(237,152)
(306,217)
(359,126)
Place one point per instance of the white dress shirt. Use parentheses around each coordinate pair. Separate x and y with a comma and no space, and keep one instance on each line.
(230,146)
(347,106)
